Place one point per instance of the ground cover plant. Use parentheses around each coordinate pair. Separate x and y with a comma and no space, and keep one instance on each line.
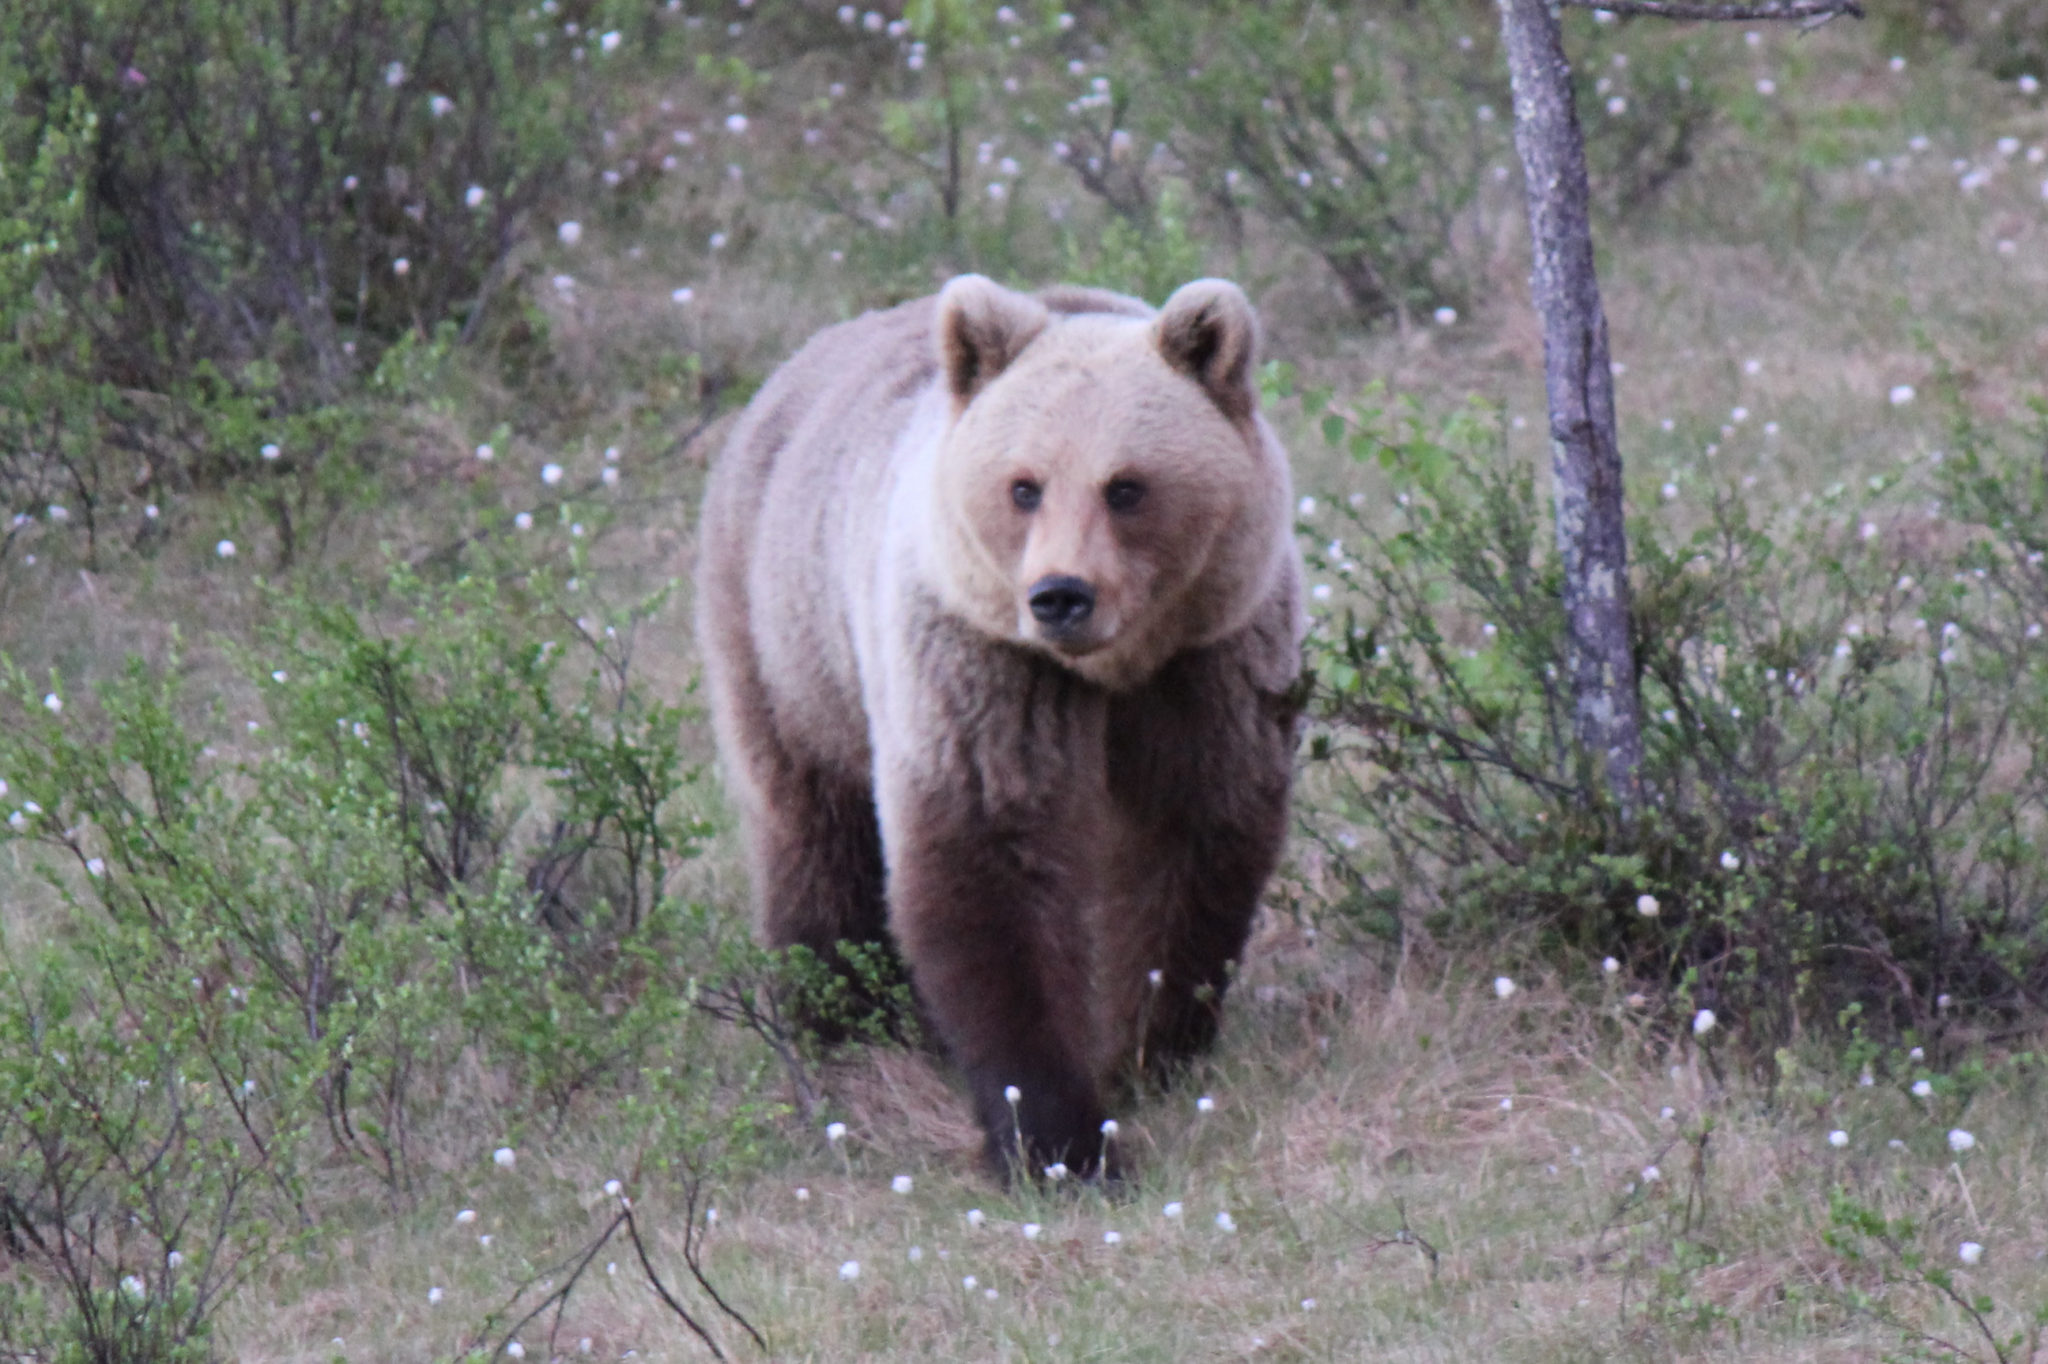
(371,939)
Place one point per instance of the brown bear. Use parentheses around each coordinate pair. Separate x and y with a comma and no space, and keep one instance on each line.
(1001,618)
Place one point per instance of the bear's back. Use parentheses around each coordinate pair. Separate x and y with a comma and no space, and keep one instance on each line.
(788,511)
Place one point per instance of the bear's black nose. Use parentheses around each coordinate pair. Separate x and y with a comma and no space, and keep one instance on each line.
(1061,603)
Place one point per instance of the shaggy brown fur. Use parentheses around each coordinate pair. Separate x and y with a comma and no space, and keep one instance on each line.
(1042,804)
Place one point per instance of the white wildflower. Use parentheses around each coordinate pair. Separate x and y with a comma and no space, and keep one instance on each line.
(900,1184)
(1960,1141)
(1969,1252)
(504,1158)
(1838,1138)
(849,1271)
(1503,987)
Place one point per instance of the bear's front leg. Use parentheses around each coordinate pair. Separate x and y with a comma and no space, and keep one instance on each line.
(1200,764)
(985,910)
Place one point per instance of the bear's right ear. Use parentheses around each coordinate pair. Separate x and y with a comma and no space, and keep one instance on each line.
(983,327)
(1208,332)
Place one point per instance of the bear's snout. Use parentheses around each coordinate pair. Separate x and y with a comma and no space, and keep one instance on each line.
(1061,604)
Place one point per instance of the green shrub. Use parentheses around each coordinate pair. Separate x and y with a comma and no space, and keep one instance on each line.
(288,939)
(1358,129)
(217,218)
(1844,707)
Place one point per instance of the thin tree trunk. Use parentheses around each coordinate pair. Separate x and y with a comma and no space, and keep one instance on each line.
(1585,456)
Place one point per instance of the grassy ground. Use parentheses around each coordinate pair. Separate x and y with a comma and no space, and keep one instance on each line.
(1392,1160)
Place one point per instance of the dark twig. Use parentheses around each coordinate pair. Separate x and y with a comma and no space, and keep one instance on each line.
(558,1298)
(1707,11)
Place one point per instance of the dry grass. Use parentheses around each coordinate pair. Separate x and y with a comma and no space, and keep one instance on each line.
(1512,1136)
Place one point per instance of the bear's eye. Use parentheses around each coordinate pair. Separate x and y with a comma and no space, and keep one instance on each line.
(1026,494)
(1123,494)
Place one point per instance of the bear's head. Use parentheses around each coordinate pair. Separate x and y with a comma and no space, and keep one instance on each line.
(1106,491)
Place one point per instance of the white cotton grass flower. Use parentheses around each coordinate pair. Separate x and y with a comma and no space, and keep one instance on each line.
(504,1158)
(1651,1174)
(1609,965)
(609,42)
(1011,1094)
(225,550)
(970,1283)
(914,1254)
(53,703)
(1647,906)
(1032,1231)
(440,106)
(1446,316)
(975,1217)
(1109,1127)
(523,521)
(1960,1141)
(95,867)
(1172,1211)
(270,451)
(900,1184)
(1923,1089)
(401,267)
(1503,987)
(1902,394)
(133,1286)
(682,295)
(1306,507)
(849,1271)
(1225,1222)
(551,474)
(1112,1238)
(1703,1022)
(1969,1252)
(803,1195)
(1729,861)
(474,196)
(434,1295)
(1838,1138)
(1056,1171)
(613,1187)
(835,1132)
(515,1350)
(1205,1104)
(736,123)
(570,233)
(465,1217)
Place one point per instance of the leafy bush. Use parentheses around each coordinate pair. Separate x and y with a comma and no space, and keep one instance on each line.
(1363,135)
(1843,775)
(283,950)
(216,218)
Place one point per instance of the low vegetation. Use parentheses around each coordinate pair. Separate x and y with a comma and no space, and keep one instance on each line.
(376,979)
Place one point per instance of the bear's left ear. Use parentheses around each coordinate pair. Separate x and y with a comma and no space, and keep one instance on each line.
(983,327)
(1208,332)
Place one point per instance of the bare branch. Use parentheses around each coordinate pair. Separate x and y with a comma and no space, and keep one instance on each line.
(1712,12)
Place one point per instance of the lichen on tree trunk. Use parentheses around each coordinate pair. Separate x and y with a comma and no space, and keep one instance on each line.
(1578,377)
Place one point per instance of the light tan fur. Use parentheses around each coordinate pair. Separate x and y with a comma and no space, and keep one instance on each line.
(1038,817)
